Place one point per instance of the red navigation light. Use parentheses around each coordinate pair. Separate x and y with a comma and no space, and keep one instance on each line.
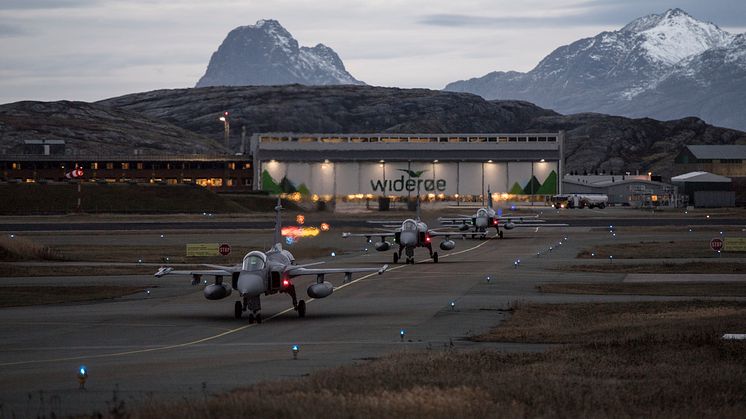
(225,113)
(494,222)
(285,283)
(427,239)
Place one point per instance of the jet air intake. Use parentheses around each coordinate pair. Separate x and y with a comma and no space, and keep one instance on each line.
(320,290)
(447,244)
(217,291)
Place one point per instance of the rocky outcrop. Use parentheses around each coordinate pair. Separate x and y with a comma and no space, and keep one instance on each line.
(266,54)
(93,129)
(594,141)
(664,66)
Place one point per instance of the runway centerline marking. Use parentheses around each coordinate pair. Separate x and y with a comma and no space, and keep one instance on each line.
(219,335)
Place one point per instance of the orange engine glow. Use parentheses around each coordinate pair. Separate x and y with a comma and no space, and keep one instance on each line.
(297,232)
(300,219)
(324,227)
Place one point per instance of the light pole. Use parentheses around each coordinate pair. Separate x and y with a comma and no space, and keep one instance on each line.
(226,127)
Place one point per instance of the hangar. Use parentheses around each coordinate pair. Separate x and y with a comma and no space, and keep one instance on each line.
(444,166)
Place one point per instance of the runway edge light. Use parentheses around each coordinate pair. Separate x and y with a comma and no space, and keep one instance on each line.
(82,376)
(295,350)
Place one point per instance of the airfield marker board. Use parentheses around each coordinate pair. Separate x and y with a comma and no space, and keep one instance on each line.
(716,244)
(734,244)
(202,249)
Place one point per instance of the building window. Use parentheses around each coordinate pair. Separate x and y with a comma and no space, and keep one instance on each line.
(94,165)
(16,166)
(109,166)
(210,182)
(139,166)
(731,161)
(172,181)
(125,166)
(247,165)
(231,166)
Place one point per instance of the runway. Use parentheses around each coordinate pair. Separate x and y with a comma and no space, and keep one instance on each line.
(174,344)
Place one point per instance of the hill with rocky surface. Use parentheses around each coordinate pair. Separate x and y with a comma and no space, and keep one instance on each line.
(663,66)
(594,141)
(267,54)
(92,129)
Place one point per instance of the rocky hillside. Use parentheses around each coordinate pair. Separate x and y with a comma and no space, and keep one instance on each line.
(266,54)
(95,129)
(663,66)
(594,141)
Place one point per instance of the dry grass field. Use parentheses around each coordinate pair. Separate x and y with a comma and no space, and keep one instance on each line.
(655,250)
(17,296)
(724,267)
(17,249)
(711,289)
(662,360)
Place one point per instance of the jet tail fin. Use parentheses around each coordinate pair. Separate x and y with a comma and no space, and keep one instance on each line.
(489,197)
(278,222)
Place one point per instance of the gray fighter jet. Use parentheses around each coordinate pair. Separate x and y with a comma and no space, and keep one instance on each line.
(266,273)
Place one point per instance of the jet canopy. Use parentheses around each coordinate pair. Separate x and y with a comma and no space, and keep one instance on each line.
(409,225)
(254,261)
(481,213)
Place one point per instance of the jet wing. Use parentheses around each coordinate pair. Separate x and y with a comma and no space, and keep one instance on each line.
(317,271)
(236,268)
(446,234)
(456,220)
(537,225)
(170,271)
(381,234)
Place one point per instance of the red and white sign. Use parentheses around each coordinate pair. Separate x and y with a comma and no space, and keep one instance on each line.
(75,173)
(716,244)
(224,249)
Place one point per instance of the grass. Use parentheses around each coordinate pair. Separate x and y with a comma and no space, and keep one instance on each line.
(18,249)
(11,270)
(675,249)
(661,268)
(713,289)
(621,360)
(17,296)
(26,199)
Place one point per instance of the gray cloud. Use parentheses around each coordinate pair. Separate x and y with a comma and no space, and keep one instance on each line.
(7,31)
(601,12)
(44,4)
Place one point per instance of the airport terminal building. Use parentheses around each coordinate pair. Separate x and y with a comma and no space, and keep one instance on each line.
(442,166)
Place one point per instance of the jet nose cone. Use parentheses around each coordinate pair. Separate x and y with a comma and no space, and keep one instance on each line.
(481,222)
(250,284)
(408,238)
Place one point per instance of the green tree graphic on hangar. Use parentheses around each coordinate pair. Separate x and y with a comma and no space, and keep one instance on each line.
(549,187)
(285,186)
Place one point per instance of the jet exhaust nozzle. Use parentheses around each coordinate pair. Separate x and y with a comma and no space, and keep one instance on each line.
(321,290)
(447,244)
(217,291)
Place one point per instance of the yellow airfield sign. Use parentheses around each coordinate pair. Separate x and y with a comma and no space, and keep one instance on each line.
(734,244)
(202,249)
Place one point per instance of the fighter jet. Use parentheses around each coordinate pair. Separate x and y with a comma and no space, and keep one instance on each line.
(266,273)
(411,234)
(478,223)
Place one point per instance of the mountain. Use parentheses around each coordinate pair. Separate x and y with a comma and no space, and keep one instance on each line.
(95,130)
(663,66)
(266,54)
(593,141)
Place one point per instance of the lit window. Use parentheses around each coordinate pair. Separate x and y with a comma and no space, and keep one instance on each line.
(94,165)
(247,165)
(139,166)
(125,166)
(232,166)
(16,166)
(109,166)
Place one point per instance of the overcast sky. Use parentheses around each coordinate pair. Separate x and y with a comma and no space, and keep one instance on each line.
(95,49)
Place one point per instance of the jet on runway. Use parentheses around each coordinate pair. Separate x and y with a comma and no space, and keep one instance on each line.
(478,223)
(266,273)
(412,233)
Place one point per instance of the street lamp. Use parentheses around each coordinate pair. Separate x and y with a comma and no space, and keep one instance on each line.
(226,127)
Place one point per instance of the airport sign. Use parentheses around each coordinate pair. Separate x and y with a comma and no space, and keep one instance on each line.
(224,249)
(734,244)
(716,244)
(202,249)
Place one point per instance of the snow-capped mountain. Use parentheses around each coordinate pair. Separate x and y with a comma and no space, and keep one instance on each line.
(664,66)
(266,54)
